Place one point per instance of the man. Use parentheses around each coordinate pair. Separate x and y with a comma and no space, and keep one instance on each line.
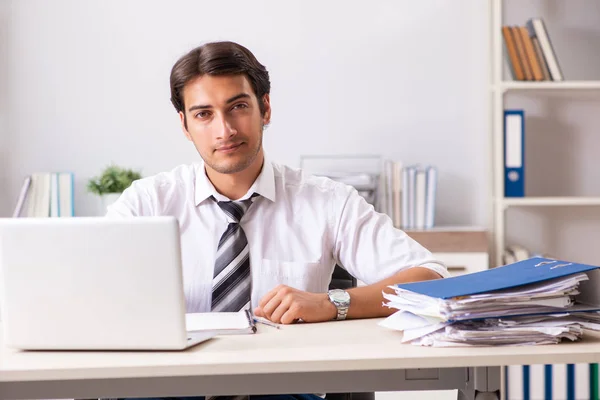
(258,234)
(285,231)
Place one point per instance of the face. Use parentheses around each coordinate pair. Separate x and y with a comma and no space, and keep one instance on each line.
(224,121)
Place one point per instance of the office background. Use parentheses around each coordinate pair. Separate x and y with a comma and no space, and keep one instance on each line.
(85,83)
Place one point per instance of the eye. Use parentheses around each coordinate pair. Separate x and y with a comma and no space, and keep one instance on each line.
(202,114)
(240,106)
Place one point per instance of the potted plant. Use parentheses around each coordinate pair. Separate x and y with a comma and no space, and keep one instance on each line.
(111,183)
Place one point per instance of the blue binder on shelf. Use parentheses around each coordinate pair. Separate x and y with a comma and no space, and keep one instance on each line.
(514,153)
(532,270)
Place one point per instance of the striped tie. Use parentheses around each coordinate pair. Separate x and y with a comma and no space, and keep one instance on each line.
(231,280)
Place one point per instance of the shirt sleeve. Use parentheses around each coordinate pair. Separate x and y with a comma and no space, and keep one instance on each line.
(135,201)
(367,244)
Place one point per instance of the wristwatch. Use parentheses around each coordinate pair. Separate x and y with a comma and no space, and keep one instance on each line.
(341,300)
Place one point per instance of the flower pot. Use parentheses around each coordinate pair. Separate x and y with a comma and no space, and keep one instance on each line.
(107,199)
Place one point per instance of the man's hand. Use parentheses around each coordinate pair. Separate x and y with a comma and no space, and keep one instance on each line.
(287,305)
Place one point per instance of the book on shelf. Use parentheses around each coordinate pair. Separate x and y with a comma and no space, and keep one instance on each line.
(409,194)
(530,53)
(514,153)
(46,194)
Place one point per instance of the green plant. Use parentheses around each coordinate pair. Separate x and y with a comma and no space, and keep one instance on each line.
(113,179)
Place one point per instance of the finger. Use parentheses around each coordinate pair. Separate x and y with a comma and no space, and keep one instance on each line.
(258,312)
(267,297)
(271,306)
(273,303)
(281,309)
(291,316)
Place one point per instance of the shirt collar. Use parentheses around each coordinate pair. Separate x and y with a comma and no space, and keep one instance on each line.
(263,185)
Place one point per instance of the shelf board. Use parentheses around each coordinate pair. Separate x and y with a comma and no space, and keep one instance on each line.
(551,201)
(549,85)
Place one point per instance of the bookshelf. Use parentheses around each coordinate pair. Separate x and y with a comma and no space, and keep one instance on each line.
(502,85)
(561,201)
(551,201)
(547,86)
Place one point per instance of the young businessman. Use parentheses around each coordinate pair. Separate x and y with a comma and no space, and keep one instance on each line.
(258,234)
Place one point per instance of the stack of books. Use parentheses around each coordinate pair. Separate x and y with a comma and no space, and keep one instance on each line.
(408,194)
(46,194)
(534,301)
(530,53)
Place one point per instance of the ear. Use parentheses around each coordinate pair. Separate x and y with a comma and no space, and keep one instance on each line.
(267,103)
(183,128)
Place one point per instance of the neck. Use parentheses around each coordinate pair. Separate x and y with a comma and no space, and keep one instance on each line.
(236,185)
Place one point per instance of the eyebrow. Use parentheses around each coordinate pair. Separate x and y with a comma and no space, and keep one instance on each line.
(231,100)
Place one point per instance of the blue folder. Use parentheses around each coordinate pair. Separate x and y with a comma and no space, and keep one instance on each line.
(533,270)
(514,153)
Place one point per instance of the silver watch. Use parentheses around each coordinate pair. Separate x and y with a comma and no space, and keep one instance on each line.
(341,299)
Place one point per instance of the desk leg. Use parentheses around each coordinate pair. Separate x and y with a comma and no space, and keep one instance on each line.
(484,384)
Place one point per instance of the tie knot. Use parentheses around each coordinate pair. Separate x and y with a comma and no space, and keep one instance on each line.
(236,209)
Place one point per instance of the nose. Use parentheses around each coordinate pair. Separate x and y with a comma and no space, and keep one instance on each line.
(226,129)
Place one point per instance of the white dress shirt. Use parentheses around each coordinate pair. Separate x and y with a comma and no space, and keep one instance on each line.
(298,230)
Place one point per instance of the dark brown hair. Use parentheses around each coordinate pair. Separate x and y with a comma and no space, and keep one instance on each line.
(219,58)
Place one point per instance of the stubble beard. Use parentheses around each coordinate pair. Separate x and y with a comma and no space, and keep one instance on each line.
(228,168)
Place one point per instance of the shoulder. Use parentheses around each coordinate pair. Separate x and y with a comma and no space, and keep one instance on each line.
(307,192)
(179,177)
(157,194)
(299,180)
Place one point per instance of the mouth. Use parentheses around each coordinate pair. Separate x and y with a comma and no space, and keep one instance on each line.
(229,148)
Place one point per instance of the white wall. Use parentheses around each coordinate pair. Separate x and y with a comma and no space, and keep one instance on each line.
(408,80)
(4,183)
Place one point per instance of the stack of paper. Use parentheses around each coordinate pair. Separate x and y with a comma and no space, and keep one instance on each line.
(535,301)
(523,330)
(538,297)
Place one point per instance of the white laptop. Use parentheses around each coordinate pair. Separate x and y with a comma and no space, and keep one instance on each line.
(93,283)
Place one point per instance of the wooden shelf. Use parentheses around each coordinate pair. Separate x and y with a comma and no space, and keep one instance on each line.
(507,93)
(549,85)
(550,201)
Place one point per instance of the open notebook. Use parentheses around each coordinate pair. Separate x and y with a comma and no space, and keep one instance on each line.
(226,323)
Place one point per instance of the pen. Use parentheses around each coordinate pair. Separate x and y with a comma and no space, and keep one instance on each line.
(266,322)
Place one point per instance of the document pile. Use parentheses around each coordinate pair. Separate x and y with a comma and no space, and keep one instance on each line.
(535,301)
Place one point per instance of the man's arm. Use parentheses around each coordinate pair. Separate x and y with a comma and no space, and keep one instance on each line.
(287,305)
(367,301)
(368,246)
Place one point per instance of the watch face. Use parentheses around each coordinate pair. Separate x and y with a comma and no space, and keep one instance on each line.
(340,296)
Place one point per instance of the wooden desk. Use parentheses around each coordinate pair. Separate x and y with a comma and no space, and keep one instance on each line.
(354,355)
